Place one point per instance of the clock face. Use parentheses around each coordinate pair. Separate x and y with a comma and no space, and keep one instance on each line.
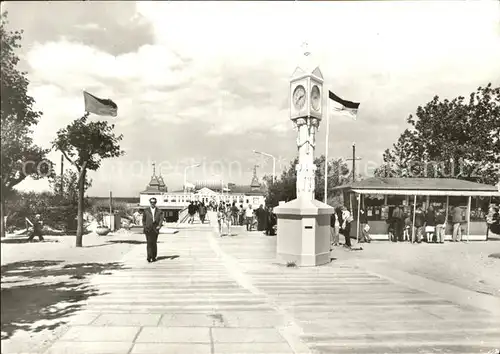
(315,98)
(299,97)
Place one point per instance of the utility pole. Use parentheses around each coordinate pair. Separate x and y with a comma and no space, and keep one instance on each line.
(62,174)
(354,159)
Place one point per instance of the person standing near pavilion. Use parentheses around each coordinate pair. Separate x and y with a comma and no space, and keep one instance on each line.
(365,228)
(430,224)
(398,219)
(346,226)
(151,222)
(440,225)
(419,224)
(456,219)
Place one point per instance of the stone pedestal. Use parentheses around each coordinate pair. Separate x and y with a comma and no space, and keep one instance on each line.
(303,232)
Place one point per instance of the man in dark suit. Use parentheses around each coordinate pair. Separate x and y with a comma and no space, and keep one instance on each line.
(151,221)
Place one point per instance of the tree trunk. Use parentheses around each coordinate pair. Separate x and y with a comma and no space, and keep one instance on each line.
(81,192)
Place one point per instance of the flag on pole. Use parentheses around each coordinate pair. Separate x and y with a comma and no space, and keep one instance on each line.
(99,106)
(342,106)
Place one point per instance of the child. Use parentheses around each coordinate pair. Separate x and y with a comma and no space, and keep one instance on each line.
(406,233)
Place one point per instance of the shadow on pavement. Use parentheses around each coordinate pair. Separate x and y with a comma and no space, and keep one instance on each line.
(25,240)
(49,302)
(167,257)
(130,242)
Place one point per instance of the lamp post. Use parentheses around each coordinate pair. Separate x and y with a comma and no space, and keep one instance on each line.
(274,161)
(185,172)
(221,184)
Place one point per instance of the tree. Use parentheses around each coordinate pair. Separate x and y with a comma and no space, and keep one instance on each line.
(84,144)
(20,156)
(457,138)
(65,199)
(284,189)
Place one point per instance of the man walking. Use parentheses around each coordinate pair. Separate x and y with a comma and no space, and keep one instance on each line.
(249,217)
(151,221)
(191,212)
(202,211)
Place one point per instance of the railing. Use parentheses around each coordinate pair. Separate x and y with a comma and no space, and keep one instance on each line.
(183,216)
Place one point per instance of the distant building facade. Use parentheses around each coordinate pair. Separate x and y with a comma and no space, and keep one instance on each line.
(172,203)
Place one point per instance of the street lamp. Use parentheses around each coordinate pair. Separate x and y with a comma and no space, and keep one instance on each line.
(185,172)
(274,161)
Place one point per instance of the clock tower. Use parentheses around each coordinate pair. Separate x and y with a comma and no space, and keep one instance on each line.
(304,223)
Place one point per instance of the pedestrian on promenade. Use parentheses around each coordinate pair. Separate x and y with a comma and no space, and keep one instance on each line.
(430,224)
(234,214)
(456,219)
(202,210)
(241,215)
(37,229)
(335,226)
(337,214)
(365,228)
(249,217)
(419,224)
(440,225)
(398,219)
(151,222)
(191,212)
(493,221)
(271,222)
(407,228)
(228,218)
(221,214)
(346,226)
(260,213)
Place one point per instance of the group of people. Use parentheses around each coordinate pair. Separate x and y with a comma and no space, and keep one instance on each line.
(263,219)
(429,225)
(340,223)
(197,207)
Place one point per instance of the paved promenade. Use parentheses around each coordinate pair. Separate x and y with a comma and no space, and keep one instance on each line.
(208,294)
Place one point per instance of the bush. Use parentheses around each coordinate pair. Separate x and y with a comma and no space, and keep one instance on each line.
(56,212)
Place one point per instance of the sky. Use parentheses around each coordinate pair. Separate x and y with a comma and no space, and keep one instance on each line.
(208,82)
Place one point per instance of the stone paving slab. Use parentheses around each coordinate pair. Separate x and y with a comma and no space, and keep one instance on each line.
(252,348)
(100,334)
(174,335)
(137,320)
(95,347)
(226,295)
(246,335)
(171,348)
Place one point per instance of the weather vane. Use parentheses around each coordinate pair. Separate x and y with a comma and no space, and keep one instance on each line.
(305,47)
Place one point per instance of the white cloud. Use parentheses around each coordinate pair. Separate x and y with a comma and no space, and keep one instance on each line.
(227,64)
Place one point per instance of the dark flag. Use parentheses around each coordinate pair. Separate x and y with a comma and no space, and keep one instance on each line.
(99,106)
(342,106)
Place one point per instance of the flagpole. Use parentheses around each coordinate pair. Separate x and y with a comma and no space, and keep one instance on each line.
(326,146)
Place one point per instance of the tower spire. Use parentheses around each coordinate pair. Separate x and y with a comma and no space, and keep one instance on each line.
(255,180)
(154,169)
